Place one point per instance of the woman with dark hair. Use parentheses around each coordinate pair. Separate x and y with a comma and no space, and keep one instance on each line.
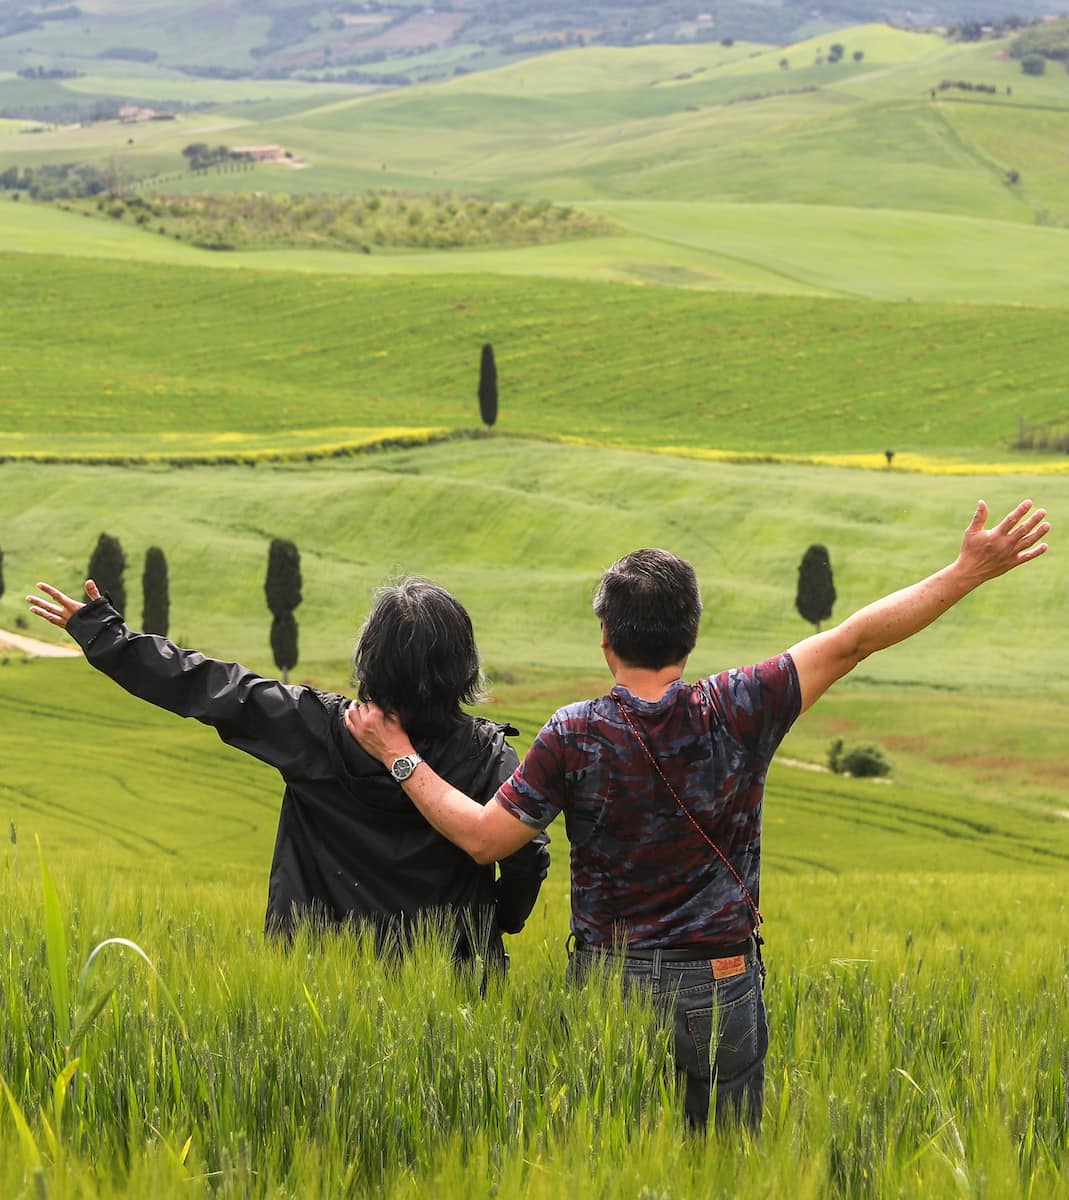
(351,847)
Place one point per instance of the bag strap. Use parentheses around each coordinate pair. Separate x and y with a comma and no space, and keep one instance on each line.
(758,918)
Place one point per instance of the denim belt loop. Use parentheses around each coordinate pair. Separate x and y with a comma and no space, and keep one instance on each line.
(656,968)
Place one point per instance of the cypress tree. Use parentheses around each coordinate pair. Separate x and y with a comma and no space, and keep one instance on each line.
(284,644)
(155,592)
(282,589)
(488,386)
(106,566)
(1,574)
(816,588)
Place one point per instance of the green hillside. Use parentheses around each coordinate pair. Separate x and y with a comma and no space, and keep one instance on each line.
(209,358)
(661,122)
(768,248)
(521,532)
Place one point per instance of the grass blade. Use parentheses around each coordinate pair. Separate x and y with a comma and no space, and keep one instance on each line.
(56,953)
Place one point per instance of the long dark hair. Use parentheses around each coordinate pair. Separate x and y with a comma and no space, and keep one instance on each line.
(416,657)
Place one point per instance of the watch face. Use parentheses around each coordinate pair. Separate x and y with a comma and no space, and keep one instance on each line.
(403,767)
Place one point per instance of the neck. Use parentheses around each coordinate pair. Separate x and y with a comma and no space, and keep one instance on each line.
(647,684)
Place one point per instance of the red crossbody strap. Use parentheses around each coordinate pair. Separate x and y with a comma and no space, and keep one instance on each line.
(686,812)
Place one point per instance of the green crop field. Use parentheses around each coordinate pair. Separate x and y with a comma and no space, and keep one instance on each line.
(917,973)
(819,262)
(195,354)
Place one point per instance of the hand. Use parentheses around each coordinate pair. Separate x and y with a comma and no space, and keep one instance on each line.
(60,609)
(988,553)
(380,734)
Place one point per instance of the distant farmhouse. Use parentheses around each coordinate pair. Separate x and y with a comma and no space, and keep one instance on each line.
(130,114)
(268,154)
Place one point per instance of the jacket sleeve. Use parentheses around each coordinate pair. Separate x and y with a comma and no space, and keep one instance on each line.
(272,721)
(521,874)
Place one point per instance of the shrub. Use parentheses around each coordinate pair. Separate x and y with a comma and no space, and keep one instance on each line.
(861,762)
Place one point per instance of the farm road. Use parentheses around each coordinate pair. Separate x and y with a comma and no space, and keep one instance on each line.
(28,645)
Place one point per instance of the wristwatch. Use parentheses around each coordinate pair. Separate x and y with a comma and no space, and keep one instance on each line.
(402,767)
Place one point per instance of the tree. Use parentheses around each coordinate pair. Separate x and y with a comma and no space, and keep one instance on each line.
(1,574)
(816,588)
(1033,64)
(859,55)
(106,566)
(155,592)
(488,386)
(282,589)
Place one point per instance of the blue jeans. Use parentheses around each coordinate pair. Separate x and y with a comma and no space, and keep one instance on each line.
(728,1014)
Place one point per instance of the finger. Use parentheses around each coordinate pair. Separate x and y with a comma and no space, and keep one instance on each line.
(1033,535)
(51,617)
(1011,518)
(91,590)
(978,518)
(55,593)
(1026,527)
(1035,552)
(39,606)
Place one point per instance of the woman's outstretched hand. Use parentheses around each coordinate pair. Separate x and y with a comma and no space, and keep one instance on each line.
(60,608)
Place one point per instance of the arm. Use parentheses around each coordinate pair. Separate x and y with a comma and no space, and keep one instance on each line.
(521,877)
(488,833)
(267,719)
(985,554)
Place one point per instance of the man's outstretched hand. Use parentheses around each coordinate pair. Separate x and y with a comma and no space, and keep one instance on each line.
(988,553)
(60,608)
(379,733)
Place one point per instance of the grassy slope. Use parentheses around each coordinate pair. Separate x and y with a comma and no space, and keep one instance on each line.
(521,533)
(193,353)
(769,248)
(602,121)
(659,122)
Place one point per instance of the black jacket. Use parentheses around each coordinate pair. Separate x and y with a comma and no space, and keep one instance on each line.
(351,846)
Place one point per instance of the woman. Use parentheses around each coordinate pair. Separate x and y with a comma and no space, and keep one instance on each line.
(351,848)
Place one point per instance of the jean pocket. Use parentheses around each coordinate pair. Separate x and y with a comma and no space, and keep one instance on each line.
(732,1033)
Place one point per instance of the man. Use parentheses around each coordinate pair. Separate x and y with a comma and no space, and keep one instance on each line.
(661,783)
(351,848)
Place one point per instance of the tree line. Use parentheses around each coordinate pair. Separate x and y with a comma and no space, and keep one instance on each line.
(282,589)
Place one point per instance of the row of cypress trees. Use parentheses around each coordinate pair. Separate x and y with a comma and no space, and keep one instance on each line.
(282,589)
(107,565)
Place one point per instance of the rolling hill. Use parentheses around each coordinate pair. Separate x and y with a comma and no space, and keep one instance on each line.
(183,361)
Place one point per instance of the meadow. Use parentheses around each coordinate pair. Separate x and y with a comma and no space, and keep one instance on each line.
(818,263)
(193,362)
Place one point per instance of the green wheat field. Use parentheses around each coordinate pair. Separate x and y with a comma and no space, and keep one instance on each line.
(810,268)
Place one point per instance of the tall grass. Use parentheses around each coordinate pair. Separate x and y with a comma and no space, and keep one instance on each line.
(917,1050)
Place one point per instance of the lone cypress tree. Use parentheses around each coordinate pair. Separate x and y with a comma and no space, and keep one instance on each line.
(1,574)
(155,593)
(816,588)
(282,589)
(106,566)
(488,386)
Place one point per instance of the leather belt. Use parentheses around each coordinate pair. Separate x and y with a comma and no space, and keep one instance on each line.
(674,953)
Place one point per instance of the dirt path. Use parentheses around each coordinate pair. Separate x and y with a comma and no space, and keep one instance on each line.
(39,649)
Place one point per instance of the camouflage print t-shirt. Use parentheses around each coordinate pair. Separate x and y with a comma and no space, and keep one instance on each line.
(640,870)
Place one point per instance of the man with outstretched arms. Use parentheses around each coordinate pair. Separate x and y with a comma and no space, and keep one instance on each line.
(662,782)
